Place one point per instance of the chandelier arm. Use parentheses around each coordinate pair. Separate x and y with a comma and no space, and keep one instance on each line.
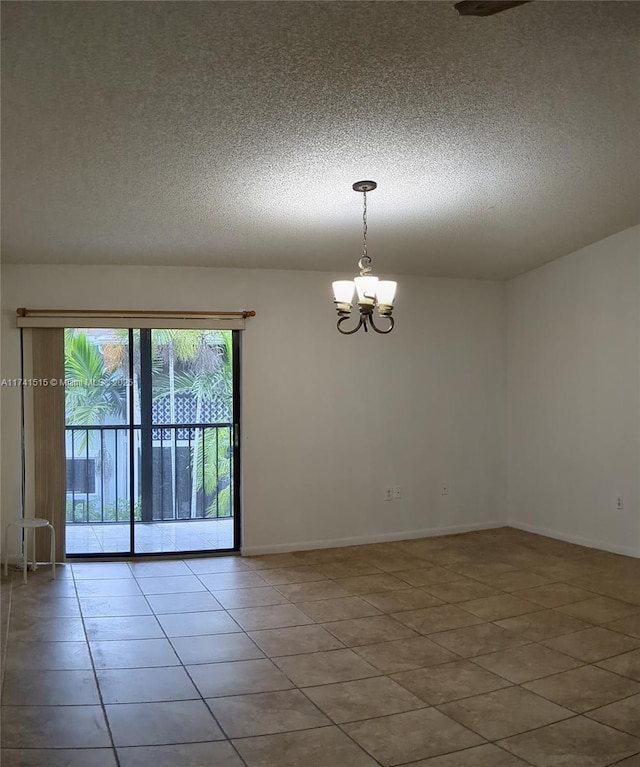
(383,332)
(349,332)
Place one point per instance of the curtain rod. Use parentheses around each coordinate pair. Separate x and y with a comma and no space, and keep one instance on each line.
(24,312)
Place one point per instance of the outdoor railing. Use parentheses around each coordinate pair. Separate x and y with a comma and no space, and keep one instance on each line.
(186,469)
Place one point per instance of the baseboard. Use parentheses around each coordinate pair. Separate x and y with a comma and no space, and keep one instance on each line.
(249,551)
(627,551)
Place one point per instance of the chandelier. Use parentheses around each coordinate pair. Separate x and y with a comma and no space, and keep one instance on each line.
(372,293)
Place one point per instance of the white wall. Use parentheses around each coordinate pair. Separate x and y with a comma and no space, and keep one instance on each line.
(328,420)
(573,412)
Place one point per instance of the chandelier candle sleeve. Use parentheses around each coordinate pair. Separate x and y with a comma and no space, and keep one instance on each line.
(372,293)
(343,294)
(385,294)
(366,289)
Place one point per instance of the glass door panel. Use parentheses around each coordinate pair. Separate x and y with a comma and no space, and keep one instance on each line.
(97,441)
(188,442)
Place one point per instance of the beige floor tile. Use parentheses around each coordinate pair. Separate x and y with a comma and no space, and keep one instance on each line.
(118,587)
(629,625)
(426,576)
(599,610)
(593,644)
(401,738)
(544,624)
(250,597)
(371,584)
(478,756)
(271,617)
(206,565)
(394,562)
(311,590)
(361,631)
(515,580)
(406,599)
(215,648)
(404,654)
(266,713)
(504,712)
(215,754)
(157,724)
(286,575)
(442,618)
(98,607)
(54,727)
(325,667)
(627,664)
(449,681)
(461,590)
(171,584)
(362,699)
(495,608)
(554,594)
(623,715)
(123,627)
(145,685)
(294,640)
(50,688)
(478,640)
(527,662)
(342,608)
(197,624)
(577,742)
(584,688)
(22,628)
(47,655)
(632,761)
(238,677)
(56,607)
(59,757)
(93,570)
(324,747)
(191,602)
(271,561)
(133,653)
(566,569)
(159,568)
(245,579)
(347,569)
(626,589)
(482,571)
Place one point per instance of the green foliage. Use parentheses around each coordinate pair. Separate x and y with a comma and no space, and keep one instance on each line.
(214,471)
(112,512)
(92,391)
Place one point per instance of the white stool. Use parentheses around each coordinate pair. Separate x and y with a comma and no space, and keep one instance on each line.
(26,525)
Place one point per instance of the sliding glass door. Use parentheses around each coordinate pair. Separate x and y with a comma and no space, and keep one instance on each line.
(151,441)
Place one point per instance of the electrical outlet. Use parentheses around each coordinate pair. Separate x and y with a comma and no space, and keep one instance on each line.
(388,493)
(619,503)
(444,489)
(397,493)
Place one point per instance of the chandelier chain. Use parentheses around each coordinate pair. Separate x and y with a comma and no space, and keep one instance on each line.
(364,263)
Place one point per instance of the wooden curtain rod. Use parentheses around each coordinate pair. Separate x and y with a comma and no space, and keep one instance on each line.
(23,312)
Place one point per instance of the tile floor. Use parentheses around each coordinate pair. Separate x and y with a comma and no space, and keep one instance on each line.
(490,649)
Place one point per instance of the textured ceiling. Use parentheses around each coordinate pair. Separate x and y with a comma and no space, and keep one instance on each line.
(229,133)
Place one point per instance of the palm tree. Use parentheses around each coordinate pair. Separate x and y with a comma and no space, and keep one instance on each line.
(208,379)
(94,391)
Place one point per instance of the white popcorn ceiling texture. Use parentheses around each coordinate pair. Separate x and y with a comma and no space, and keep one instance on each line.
(229,133)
